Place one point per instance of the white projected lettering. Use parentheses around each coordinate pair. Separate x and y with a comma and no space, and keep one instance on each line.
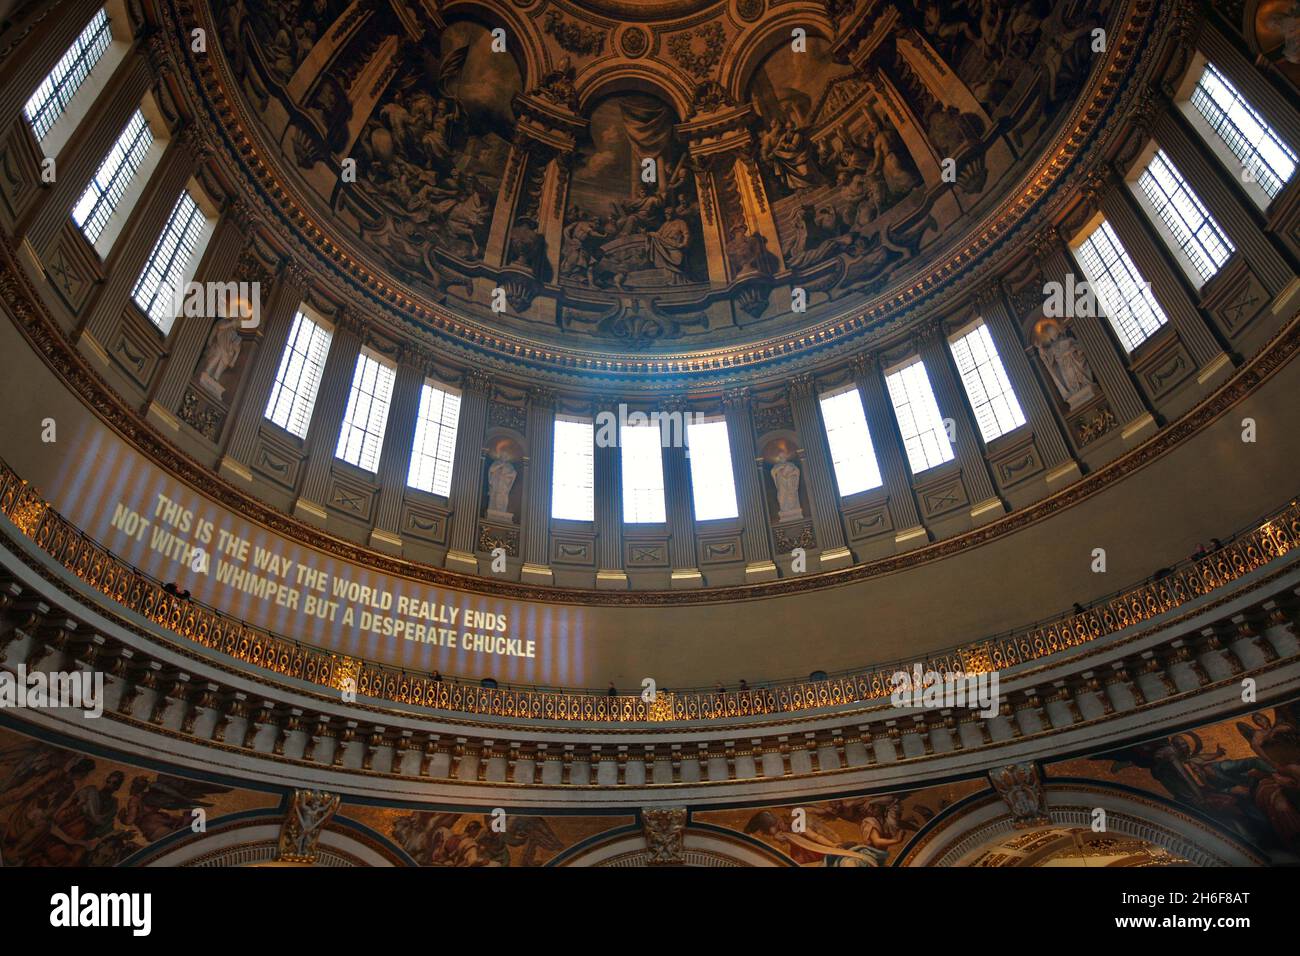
(236,565)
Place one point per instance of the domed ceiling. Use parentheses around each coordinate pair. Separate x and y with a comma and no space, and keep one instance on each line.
(665,177)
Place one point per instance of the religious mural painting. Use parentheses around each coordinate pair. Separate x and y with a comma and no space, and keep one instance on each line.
(615,215)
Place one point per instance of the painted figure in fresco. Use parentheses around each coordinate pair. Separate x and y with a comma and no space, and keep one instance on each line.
(1259,794)
(642,213)
(157,807)
(785,148)
(669,245)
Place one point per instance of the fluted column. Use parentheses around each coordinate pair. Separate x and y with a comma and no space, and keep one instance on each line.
(1048,436)
(395,459)
(816,461)
(537,504)
(951,399)
(1098,344)
(132,248)
(327,416)
(287,292)
(888,445)
(467,473)
(745,464)
(679,504)
(608,480)
(31,61)
(1141,244)
(1280,112)
(1226,203)
(189,335)
(87,149)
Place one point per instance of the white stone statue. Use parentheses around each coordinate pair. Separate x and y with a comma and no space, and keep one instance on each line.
(501,478)
(785,475)
(221,352)
(1066,363)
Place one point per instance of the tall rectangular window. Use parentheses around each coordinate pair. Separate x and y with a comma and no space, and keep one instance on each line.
(158,289)
(987,387)
(294,394)
(108,185)
(57,90)
(1186,223)
(1130,306)
(435,440)
(713,484)
(1267,160)
(643,474)
(852,453)
(361,438)
(573,488)
(919,422)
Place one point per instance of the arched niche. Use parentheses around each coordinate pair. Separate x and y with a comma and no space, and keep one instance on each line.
(764,37)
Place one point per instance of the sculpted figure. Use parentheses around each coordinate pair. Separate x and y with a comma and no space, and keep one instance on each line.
(501,478)
(221,352)
(1066,363)
(785,475)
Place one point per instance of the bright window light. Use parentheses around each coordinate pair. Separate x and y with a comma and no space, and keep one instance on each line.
(1132,309)
(713,485)
(108,185)
(573,496)
(991,397)
(301,368)
(1187,225)
(849,438)
(1259,148)
(919,421)
(162,280)
(643,474)
(435,440)
(57,90)
(362,436)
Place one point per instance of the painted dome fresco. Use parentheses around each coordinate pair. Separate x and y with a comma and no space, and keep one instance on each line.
(711,175)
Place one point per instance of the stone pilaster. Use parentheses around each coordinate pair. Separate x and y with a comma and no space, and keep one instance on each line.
(679,503)
(277,321)
(132,248)
(537,501)
(815,460)
(608,479)
(888,445)
(467,476)
(327,417)
(87,149)
(1141,244)
(745,464)
(189,335)
(37,53)
(1226,203)
(1098,344)
(1048,435)
(950,396)
(395,459)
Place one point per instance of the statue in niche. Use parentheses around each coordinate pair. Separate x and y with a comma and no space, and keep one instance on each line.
(1065,362)
(785,475)
(219,355)
(501,478)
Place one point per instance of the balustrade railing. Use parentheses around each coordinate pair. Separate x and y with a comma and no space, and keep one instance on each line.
(207,627)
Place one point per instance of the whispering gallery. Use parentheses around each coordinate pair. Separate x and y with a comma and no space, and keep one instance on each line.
(674,433)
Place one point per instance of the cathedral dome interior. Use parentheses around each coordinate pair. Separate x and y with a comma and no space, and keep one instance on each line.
(652,423)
